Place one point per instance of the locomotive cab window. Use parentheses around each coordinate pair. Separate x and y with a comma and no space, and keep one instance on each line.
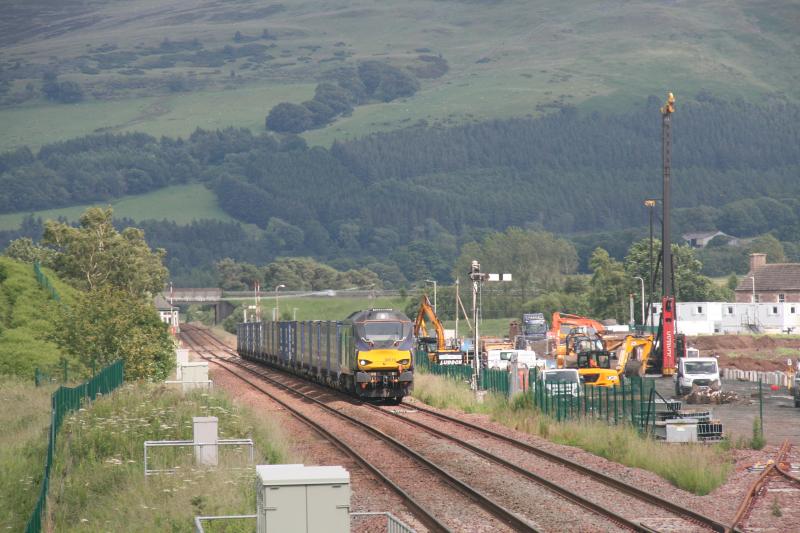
(384,331)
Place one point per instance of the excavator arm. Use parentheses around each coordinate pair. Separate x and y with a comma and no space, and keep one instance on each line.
(566,319)
(420,330)
(631,344)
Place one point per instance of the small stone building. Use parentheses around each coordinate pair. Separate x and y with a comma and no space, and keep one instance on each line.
(168,313)
(776,282)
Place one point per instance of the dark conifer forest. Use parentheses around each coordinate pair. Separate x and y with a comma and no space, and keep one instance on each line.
(422,191)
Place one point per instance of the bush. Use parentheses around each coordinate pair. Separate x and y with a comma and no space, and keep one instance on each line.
(66,92)
(289,118)
(104,325)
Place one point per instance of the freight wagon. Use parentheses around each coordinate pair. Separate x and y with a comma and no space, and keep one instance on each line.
(369,354)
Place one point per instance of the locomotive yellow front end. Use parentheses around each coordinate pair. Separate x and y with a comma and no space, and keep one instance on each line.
(383,354)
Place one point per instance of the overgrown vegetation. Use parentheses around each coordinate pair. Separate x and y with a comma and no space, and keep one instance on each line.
(696,468)
(26,320)
(25,420)
(111,316)
(757,441)
(98,478)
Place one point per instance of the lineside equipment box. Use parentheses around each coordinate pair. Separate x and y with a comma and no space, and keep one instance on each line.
(302,499)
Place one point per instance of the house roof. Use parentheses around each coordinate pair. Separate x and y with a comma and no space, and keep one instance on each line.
(161,303)
(772,277)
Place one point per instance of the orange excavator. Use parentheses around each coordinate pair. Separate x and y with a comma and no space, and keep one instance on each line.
(564,323)
(438,350)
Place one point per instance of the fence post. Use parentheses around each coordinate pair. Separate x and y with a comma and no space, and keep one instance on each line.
(761,408)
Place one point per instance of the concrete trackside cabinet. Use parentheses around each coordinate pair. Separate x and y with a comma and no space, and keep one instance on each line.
(181,358)
(302,499)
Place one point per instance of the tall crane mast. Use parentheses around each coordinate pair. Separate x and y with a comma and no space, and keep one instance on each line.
(668,312)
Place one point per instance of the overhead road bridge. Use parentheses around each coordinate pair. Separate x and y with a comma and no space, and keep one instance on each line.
(204,296)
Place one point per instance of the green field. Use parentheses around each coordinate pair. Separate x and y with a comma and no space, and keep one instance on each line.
(506,58)
(179,203)
(174,115)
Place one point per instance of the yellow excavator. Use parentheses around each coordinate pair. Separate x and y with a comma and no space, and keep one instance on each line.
(436,347)
(594,365)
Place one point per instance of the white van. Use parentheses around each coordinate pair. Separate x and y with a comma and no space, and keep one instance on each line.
(700,372)
(500,359)
(565,381)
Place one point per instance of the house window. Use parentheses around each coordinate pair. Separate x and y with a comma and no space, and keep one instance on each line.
(699,310)
(729,310)
(756,298)
(792,310)
(774,310)
(781,298)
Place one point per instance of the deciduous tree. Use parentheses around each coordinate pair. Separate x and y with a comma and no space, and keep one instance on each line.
(95,255)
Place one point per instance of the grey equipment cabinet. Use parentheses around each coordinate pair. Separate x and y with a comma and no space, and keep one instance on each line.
(302,499)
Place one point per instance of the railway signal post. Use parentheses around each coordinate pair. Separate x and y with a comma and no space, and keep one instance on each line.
(478,278)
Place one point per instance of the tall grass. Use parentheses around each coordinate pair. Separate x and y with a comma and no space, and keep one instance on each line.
(24,419)
(99,483)
(696,468)
(26,314)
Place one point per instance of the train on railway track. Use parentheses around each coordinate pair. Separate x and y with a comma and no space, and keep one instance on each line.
(369,354)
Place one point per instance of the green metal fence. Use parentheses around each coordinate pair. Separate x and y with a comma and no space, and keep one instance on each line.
(58,373)
(495,381)
(632,401)
(64,401)
(41,278)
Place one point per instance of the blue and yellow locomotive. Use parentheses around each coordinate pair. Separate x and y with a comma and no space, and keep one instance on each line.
(369,354)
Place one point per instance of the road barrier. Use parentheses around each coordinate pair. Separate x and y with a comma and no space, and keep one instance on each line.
(64,401)
(782,379)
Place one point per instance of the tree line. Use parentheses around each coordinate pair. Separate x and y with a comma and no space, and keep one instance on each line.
(404,202)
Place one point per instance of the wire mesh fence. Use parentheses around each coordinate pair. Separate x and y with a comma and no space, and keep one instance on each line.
(44,282)
(632,401)
(64,401)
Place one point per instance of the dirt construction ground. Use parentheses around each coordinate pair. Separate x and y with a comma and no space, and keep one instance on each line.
(749,352)
(781,418)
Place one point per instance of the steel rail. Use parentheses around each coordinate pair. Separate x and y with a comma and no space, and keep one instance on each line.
(481,499)
(772,467)
(423,515)
(646,497)
(608,480)
(568,494)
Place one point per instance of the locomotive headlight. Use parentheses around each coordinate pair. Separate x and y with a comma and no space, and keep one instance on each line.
(364,362)
(404,361)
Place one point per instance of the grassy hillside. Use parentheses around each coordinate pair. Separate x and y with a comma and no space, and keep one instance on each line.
(26,312)
(179,203)
(163,67)
(23,445)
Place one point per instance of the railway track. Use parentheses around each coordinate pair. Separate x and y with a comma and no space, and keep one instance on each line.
(641,511)
(776,480)
(435,483)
